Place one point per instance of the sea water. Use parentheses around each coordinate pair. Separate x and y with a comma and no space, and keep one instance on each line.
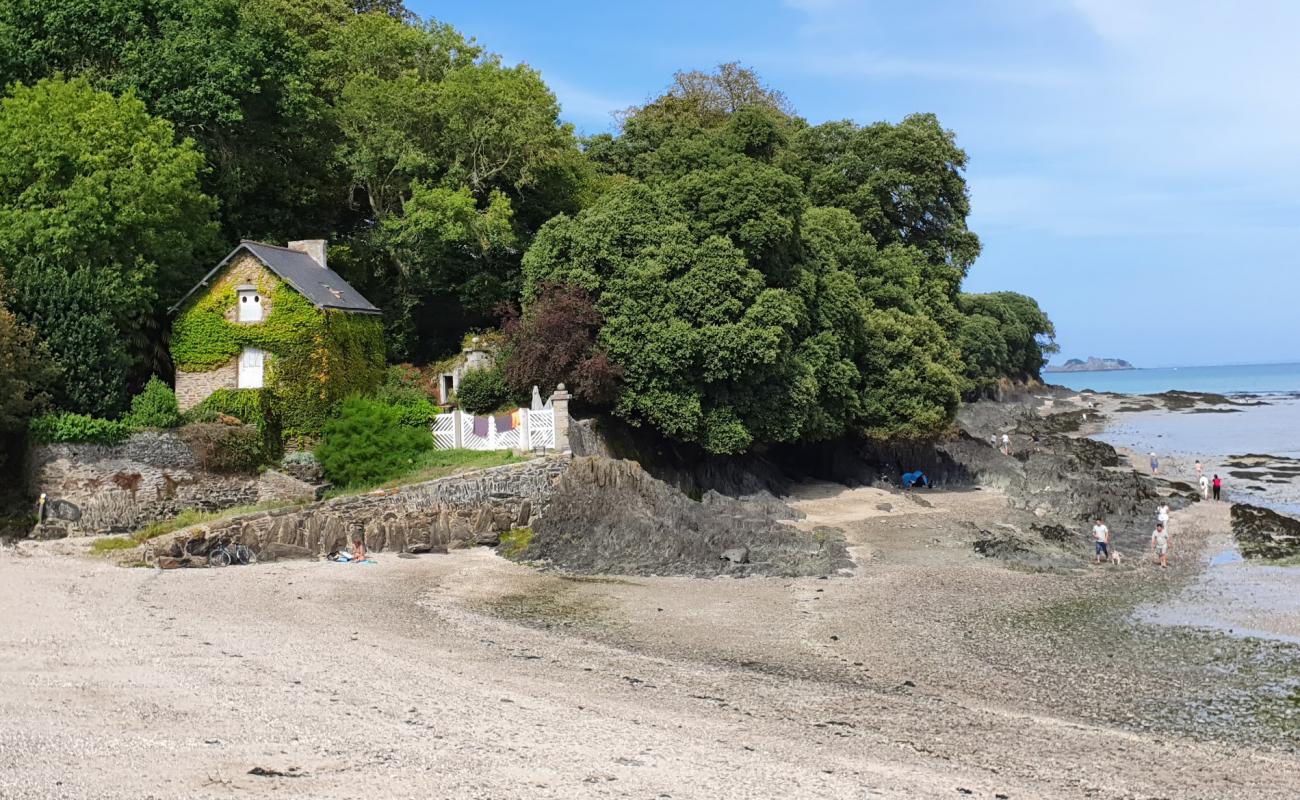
(1232,595)
(1237,379)
(1264,419)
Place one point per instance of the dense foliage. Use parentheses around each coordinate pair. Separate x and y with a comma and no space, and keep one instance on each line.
(405,389)
(720,270)
(26,373)
(101,214)
(759,280)
(78,428)
(483,391)
(367,443)
(555,342)
(154,407)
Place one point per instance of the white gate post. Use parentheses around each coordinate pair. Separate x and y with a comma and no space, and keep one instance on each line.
(492,432)
(525,430)
(459,441)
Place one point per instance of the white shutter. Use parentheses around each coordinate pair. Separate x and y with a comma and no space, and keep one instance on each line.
(251,362)
(250,306)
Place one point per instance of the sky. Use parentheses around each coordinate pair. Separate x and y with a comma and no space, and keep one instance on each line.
(1133,163)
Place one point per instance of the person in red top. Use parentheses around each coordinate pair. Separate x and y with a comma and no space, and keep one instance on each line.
(1218,486)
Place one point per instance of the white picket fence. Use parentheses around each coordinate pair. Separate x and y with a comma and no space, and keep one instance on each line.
(535,431)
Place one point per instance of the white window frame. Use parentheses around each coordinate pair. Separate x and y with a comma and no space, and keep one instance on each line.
(250,301)
(251,371)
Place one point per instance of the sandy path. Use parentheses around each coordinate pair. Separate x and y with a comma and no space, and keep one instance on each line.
(416,678)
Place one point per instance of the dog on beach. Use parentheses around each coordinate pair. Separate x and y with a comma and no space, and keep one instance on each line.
(1116,558)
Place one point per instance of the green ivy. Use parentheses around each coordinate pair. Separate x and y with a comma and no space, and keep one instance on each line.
(317,357)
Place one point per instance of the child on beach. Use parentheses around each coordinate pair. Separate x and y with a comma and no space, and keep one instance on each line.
(1162,515)
(1205,488)
(1101,536)
(1200,470)
(1155,464)
(1160,545)
(1218,486)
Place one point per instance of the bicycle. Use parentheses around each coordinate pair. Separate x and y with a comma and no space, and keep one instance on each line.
(225,551)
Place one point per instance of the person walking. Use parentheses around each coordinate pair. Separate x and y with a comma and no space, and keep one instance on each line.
(1162,516)
(1160,545)
(1101,540)
(1205,488)
(1218,487)
(1200,470)
(1006,445)
(1155,464)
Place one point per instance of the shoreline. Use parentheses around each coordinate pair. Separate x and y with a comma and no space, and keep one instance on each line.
(929,670)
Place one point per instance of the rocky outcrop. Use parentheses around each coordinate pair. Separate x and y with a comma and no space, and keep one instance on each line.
(474,508)
(612,517)
(1093,364)
(1264,533)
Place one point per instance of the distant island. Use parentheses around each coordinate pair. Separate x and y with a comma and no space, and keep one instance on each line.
(1093,364)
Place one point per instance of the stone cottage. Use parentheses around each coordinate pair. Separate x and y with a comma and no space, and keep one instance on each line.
(277,318)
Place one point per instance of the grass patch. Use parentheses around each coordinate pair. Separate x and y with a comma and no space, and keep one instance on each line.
(184,519)
(435,464)
(515,542)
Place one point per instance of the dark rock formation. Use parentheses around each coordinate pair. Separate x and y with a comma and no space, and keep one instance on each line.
(612,517)
(1264,533)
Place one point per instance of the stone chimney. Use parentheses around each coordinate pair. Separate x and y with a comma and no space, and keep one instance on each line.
(312,247)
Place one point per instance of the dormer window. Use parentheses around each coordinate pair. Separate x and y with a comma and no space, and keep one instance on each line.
(250,303)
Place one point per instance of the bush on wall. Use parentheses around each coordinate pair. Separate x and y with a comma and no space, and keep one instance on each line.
(154,407)
(250,406)
(367,443)
(77,428)
(224,448)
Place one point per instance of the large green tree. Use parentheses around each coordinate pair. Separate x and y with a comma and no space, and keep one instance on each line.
(453,160)
(102,220)
(237,76)
(761,280)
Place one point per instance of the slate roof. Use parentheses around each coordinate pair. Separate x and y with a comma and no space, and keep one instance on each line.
(324,287)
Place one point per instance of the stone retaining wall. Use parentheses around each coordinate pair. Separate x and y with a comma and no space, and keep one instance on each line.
(153,475)
(475,507)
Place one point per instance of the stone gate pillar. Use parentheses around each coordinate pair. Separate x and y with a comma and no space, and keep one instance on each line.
(560,406)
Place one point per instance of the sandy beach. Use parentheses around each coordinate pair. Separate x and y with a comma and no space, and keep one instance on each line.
(930,672)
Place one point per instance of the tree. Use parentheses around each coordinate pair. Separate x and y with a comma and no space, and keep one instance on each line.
(1004,335)
(555,342)
(443,252)
(903,182)
(101,218)
(758,281)
(26,371)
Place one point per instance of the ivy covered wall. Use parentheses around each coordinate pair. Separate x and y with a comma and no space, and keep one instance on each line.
(315,357)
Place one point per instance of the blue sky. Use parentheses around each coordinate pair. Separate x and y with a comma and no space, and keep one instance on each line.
(1133,165)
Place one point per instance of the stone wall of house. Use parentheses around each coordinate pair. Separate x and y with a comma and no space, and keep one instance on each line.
(476,507)
(193,387)
(96,489)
